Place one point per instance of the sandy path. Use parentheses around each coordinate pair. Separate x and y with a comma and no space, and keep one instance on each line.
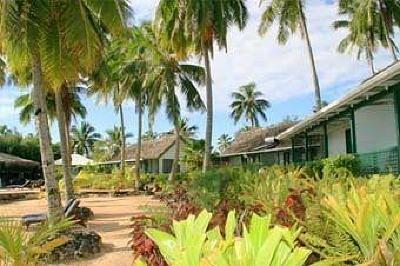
(111,221)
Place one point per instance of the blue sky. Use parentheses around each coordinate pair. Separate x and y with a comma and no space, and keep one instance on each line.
(282,73)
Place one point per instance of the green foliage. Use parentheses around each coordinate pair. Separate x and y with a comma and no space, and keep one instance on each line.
(342,165)
(192,244)
(210,188)
(27,147)
(21,248)
(95,180)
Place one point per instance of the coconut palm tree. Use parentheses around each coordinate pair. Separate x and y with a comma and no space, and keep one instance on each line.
(58,48)
(74,107)
(291,18)
(168,78)
(187,26)
(83,138)
(114,141)
(365,30)
(223,142)
(247,103)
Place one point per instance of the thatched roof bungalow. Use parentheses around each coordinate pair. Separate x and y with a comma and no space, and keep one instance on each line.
(157,155)
(258,146)
(15,170)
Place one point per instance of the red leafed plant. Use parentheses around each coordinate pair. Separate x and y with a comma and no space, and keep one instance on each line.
(143,247)
(293,209)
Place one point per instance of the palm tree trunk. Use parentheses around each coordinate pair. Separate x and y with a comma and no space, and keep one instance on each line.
(139,142)
(209,121)
(383,11)
(123,141)
(177,150)
(370,60)
(317,89)
(54,207)
(69,187)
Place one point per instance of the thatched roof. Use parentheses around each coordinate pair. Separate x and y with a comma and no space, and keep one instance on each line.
(151,149)
(254,139)
(8,160)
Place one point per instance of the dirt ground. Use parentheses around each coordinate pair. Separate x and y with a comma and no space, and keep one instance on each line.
(111,221)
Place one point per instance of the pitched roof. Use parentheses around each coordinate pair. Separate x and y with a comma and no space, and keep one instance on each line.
(254,138)
(9,160)
(151,149)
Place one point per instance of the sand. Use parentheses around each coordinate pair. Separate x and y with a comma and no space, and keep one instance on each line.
(111,221)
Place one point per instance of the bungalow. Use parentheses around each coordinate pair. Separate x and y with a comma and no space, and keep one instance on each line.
(365,122)
(16,171)
(258,146)
(157,155)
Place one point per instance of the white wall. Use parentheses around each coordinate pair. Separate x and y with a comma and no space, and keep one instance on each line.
(375,128)
(336,140)
(170,154)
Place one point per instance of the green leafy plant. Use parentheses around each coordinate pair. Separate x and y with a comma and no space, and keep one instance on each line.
(342,165)
(192,244)
(21,248)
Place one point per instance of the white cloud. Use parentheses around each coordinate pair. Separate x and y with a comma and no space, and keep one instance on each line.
(7,107)
(281,72)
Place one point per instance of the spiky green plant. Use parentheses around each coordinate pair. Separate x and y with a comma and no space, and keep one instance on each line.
(261,243)
(21,248)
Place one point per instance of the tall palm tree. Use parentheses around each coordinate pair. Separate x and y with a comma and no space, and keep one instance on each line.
(365,30)
(247,103)
(83,138)
(114,141)
(58,47)
(291,18)
(223,142)
(193,26)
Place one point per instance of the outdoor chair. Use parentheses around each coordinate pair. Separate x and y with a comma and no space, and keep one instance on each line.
(35,218)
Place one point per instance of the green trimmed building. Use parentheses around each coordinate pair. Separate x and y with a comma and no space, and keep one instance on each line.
(365,122)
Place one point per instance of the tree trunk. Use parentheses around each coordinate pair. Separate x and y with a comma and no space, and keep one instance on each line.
(177,150)
(385,19)
(370,60)
(317,90)
(139,142)
(69,187)
(123,141)
(54,207)
(209,121)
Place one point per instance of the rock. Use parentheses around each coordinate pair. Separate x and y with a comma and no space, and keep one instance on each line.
(81,244)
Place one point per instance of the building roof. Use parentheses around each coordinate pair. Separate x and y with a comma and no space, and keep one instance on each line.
(151,149)
(254,139)
(77,160)
(8,160)
(374,85)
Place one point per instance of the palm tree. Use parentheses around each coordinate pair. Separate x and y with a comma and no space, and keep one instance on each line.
(83,138)
(224,141)
(73,105)
(193,26)
(58,49)
(291,18)
(366,29)
(183,133)
(247,103)
(70,106)
(114,141)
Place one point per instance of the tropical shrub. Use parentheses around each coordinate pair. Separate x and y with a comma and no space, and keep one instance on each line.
(262,244)
(21,248)
(358,221)
(342,165)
